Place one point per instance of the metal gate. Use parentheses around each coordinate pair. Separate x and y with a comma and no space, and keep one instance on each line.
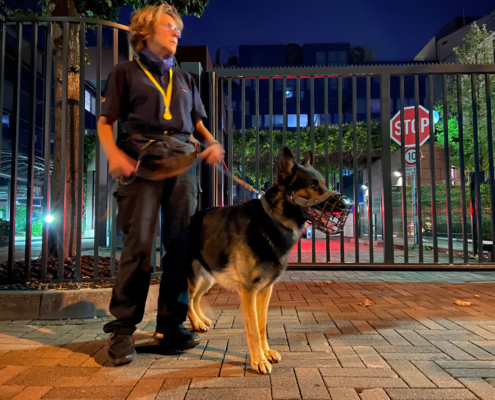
(443,217)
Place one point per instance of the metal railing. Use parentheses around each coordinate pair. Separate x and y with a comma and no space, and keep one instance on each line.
(436,86)
(336,93)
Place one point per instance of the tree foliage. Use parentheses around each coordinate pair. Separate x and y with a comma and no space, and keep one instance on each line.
(304,146)
(476,49)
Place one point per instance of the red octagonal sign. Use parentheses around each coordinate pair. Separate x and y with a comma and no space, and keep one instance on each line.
(410,126)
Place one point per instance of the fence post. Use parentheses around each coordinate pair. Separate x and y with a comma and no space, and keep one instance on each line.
(388,239)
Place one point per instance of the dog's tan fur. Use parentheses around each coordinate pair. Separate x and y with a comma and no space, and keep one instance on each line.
(235,264)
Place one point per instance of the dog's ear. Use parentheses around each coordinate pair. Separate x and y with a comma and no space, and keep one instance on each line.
(286,164)
(308,159)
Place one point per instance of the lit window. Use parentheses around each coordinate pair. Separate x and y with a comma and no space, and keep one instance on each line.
(87,101)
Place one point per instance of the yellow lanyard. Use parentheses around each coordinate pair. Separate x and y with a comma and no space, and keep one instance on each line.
(167,98)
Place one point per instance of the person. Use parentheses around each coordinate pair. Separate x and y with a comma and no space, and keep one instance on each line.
(152,100)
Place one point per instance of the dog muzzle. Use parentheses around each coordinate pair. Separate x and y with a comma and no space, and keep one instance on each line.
(327,213)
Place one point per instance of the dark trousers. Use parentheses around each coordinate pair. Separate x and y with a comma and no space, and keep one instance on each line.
(138,207)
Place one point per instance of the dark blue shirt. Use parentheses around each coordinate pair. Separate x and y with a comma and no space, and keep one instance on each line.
(131,96)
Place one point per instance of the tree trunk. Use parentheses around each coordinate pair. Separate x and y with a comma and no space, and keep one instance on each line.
(65,213)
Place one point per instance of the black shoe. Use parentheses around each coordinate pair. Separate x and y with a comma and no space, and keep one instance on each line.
(121,350)
(176,338)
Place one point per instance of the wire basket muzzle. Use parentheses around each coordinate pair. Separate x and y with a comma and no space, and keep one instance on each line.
(328,213)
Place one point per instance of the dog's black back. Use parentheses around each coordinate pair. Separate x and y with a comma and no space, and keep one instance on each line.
(248,244)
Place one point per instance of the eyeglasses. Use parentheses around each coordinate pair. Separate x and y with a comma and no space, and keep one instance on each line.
(172,28)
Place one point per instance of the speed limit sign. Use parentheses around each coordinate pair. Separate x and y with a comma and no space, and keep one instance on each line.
(410,156)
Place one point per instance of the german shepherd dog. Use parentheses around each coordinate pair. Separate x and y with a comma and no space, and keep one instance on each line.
(246,247)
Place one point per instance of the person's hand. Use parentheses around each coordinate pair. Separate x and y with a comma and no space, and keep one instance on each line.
(213,154)
(120,164)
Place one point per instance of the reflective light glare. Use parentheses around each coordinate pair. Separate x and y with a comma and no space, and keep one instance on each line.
(397,173)
(49,218)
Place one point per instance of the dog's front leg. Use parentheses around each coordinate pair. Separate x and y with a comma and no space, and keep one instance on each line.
(262,303)
(258,360)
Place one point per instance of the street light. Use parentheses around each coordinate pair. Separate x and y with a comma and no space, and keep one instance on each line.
(49,218)
(397,173)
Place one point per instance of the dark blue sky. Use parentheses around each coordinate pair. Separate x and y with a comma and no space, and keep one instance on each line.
(394,29)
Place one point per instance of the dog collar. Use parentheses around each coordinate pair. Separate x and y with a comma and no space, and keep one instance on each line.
(266,207)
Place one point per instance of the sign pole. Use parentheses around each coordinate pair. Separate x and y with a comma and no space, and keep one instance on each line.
(415,211)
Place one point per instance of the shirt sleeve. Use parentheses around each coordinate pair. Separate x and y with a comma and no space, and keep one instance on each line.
(198,109)
(114,92)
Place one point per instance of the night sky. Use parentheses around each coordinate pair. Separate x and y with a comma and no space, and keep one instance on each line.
(394,29)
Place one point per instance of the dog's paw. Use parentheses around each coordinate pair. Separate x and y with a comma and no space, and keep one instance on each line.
(200,327)
(207,321)
(262,366)
(273,356)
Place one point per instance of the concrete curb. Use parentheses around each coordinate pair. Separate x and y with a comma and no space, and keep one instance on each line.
(62,304)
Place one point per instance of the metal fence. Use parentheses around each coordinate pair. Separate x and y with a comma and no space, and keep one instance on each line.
(360,150)
(342,113)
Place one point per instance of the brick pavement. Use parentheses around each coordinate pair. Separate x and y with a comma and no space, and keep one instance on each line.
(412,342)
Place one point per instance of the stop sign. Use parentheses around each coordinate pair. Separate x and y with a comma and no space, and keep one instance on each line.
(410,126)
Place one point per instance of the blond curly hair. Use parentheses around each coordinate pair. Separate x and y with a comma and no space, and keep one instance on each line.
(143,23)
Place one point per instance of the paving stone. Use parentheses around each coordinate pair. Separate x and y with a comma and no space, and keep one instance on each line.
(343,394)
(479,387)
(370,357)
(437,375)
(174,389)
(374,394)
(114,392)
(284,384)
(410,374)
(473,350)
(466,364)
(236,382)
(472,373)
(364,383)
(146,389)
(311,384)
(453,351)
(32,393)
(359,372)
(430,394)
(9,372)
(8,392)
(347,357)
(229,394)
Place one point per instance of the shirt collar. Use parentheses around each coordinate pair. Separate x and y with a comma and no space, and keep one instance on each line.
(155,62)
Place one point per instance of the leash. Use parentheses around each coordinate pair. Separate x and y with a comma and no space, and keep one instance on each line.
(223,170)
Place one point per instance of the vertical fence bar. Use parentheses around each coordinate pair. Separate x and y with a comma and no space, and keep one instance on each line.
(284,110)
(477,167)
(448,205)
(112,182)
(434,229)
(270,107)
(490,159)
(243,148)
(403,170)
(298,148)
(15,153)
(388,237)
(212,118)
(461,166)
(418,168)
(341,156)
(32,139)
(3,29)
(221,139)
(327,236)
(355,168)
(97,153)
(230,138)
(63,139)
(368,159)
(312,116)
(80,177)
(47,150)
(257,156)
(216,173)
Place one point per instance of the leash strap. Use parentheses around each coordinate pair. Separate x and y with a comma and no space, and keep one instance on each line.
(167,97)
